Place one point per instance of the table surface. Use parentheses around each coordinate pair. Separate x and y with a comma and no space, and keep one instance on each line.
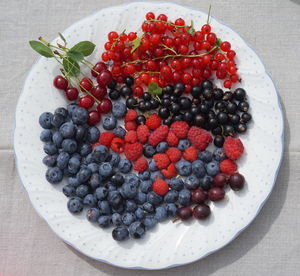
(270,246)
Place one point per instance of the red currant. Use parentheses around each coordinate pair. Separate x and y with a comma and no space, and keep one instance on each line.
(227,84)
(138,91)
(234,78)
(105,106)
(60,82)
(72,94)
(86,101)
(112,36)
(132,36)
(225,46)
(198,36)
(231,54)
(176,64)
(94,118)
(219,57)
(150,15)
(179,22)
(187,78)
(211,38)
(166,72)
(162,17)
(206,29)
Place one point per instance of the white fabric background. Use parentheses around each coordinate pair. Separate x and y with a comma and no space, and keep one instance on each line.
(270,246)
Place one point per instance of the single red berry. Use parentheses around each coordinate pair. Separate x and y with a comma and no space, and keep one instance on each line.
(86,84)
(72,94)
(216,194)
(199,196)
(105,106)
(184,213)
(117,145)
(206,29)
(179,22)
(98,68)
(231,54)
(138,91)
(132,36)
(99,92)
(86,101)
(225,46)
(198,36)
(60,82)
(162,17)
(211,38)
(220,180)
(150,15)
(166,72)
(234,78)
(201,211)
(104,78)
(112,36)
(227,84)
(94,118)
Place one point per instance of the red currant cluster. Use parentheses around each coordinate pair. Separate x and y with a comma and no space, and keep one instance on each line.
(170,52)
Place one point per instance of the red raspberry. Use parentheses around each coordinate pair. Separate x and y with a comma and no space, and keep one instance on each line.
(228,166)
(180,128)
(131,125)
(141,165)
(233,148)
(160,187)
(158,135)
(174,154)
(117,145)
(106,138)
(153,122)
(162,160)
(190,154)
(170,172)
(131,136)
(131,115)
(172,139)
(199,137)
(133,151)
(143,133)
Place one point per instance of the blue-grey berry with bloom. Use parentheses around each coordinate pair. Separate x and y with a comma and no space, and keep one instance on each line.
(45,120)
(46,135)
(93,214)
(75,205)
(54,175)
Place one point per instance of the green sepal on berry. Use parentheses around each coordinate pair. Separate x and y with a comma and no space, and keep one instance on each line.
(136,43)
(192,30)
(154,89)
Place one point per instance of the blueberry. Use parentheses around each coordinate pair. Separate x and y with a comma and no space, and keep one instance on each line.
(50,148)
(119,209)
(212,168)
(105,169)
(206,182)
(80,116)
(69,190)
(93,134)
(146,186)
(171,196)
(99,154)
(130,206)
(50,160)
(115,159)
(136,230)
(219,154)
(73,181)
(171,209)
(54,175)
(101,193)
(120,132)
(111,186)
(104,207)
(76,155)
(117,179)
(71,108)
(104,221)
(89,200)
(95,181)
(198,168)
(154,198)
(176,183)
(85,149)
(62,160)
(120,233)
(140,198)
(145,175)
(192,182)
(93,167)
(75,205)
(114,198)
(46,135)
(152,166)
(160,213)
(109,122)
(45,120)
(162,147)
(116,219)
(183,144)
(125,166)
(129,190)
(184,167)
(89,158)
(132,179)
(67,130)
(148,207)
(184,197)
(69,145)
(84,175)
(149,222)
(128,218)
(206,156)
(139,213)
(80,133)
(82,190)
(73,165)
(57,120)
(118,109)
(57,139)
(61,111)
(93,214)
(149,151)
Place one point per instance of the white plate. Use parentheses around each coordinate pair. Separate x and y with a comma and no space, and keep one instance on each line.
(169,244)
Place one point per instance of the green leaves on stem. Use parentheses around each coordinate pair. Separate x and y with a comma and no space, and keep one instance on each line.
(86,48)
(41,48)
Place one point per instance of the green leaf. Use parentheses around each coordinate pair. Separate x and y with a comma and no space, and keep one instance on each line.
(154,89)
(71,66)
(218,42)
(84,47)
(192,30)
(62,38)
(41,48)
(76,56)
(136,43)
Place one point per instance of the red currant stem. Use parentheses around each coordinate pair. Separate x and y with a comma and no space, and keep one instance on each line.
(168,48)
(89,66)
(208,16)
(147,72)
(86,91)
(167,22)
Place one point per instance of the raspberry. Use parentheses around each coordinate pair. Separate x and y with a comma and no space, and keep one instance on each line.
(174,154)
(133,151)
(158,135)
(143,133)
(131,125)
(106,138)
(117,145)
(180,128)
(153,122)
(131,136)
(190,154)
(172,139)
(228,166)
(131,115)
(141,165)
(162,160)
(170,172)
(233,148)
(199,137)
(160,187)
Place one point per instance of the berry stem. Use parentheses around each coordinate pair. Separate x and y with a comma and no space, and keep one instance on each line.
(208,16)
(167,22)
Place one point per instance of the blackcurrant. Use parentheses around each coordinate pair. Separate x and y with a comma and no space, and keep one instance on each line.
(188,116)
(228,96)
(148,105)
(219,141)
(207,93)
(165,102)
(131,102)
(218,94)
(174,108)
(167,121)
(185,103)
(142,106)
(246,117)
(234,119)
(163,112)
(243,106)
(207,84)
(126,91)
(239,94)
(241,128)
(129,81)
(199,120)
(174,99)
(222,117)
(212,123)
(217,131)
(228,130)
(196,91)
(195,110)
(178,117)
(179,89)
(168,89)
(147,96)
(112,84)
(204,108)
(114,94)
(220,106)
(154,103)
(141,119)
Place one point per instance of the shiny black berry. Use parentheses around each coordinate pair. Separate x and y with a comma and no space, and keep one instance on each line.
(204,108)
(239,94)
(188,116)
(241,128)
(179,89)
(228,96)
(207,93)
(141,106)
(174,108)
(231,108)
(185,103)
(141,119)
(243,106)
(234,119)
(168,89)
(129,81)
(146,96)
(196,91)
(246,117)
(114,94)
(218,94)
(222,117)
(228,130)
(154,103)
(213,123)
(174,98)
(163,112)
(207,84)
(195,110)
(126,91)
(131,102)
(217,131)
(220,106)
(199,120)
(167,121)
(165,102)
(178,117)
(148,105)
(219,141)
(112,84)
